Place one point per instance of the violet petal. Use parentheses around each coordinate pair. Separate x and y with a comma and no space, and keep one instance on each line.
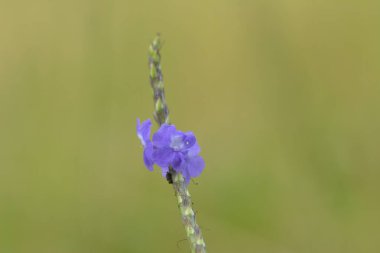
(143,131)
(195,166)
(162,137)
(163,157)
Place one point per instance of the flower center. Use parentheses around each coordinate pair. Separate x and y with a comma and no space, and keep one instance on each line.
(177,142)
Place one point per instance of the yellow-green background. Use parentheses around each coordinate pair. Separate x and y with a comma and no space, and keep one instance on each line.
(283,96)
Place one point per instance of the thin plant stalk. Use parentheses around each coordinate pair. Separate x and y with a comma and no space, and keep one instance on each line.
(161,115)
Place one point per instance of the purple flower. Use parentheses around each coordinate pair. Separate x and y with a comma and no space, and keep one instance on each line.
(171,148)
(143,132)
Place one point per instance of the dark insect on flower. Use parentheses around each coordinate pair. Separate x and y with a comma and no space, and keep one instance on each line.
(169,177)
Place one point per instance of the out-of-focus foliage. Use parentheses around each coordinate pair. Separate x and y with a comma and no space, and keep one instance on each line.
(284,97)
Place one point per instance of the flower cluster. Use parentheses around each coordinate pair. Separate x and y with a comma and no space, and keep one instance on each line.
(170,148)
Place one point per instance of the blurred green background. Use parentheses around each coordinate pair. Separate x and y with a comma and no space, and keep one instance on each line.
(283,96)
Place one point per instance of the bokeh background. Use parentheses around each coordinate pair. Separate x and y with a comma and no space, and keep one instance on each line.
(283,96)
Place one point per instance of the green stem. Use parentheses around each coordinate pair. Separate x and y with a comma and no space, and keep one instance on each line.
(161,115)
(161,111)
(193,231)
